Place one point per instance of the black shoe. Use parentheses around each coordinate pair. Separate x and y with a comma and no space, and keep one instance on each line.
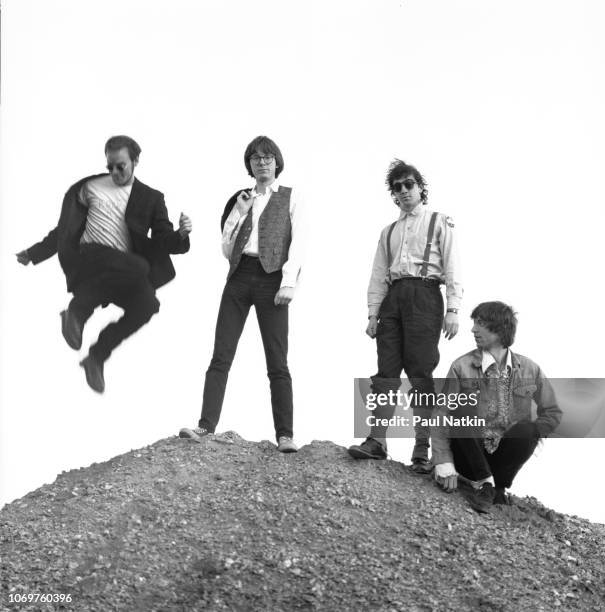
(71,329)
(94,373)
(500,497)
(421,466)
(370,449)
(482,499)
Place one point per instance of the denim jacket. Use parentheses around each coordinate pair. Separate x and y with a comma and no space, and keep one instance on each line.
(528,383)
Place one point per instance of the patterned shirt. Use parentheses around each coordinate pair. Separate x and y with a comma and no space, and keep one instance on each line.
(499,402)
(105,222)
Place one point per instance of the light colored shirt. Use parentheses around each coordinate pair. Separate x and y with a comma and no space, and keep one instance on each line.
(105,221)
(408,242)
(487,360)
(292,266)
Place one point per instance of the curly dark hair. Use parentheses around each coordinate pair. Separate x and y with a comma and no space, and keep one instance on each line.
(499,318)
(399,169)
(115,143)
(263,144)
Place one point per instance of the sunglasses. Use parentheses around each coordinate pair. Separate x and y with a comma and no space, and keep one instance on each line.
(120,167)
(408,184)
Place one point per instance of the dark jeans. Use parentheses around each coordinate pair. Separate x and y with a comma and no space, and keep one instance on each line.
(250,286)
(516,446)
(407,337)
(106,276)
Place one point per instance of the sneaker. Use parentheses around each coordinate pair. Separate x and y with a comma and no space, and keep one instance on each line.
(197,433)
(500,497)
(481,499)
(286,445)
(370,449)
(421,466)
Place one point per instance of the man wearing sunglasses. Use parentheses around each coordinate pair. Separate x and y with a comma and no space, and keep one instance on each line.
(262,239)
(107,255)
(415,255)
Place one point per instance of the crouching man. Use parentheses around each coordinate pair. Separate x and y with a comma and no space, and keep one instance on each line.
(488,437)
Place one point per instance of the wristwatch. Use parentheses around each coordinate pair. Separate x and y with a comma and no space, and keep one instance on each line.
(454,310)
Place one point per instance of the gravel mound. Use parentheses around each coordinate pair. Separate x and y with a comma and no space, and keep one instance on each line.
(227,524)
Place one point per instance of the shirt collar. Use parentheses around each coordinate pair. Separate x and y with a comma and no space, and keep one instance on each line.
(487,359)
(274,186)
(413,213)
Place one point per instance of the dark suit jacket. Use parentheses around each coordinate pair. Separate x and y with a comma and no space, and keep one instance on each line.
(230,204)
(145,212)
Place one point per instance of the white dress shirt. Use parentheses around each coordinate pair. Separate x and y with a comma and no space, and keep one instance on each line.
(408,241)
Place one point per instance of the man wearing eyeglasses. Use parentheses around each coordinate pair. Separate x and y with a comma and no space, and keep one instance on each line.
(415,255)
(106,254)
(262,239)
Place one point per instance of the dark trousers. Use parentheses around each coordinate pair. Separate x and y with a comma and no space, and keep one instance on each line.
(106,276)
(516,446)
(407,339)
(250,286)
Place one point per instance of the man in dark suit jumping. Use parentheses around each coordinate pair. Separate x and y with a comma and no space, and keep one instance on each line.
(102,242)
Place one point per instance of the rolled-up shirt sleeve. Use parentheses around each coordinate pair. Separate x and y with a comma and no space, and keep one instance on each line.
(451,264)
(378,287)
(299,224)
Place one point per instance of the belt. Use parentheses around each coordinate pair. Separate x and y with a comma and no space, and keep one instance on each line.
(430,282)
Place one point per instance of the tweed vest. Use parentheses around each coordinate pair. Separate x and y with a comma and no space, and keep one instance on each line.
(274,234)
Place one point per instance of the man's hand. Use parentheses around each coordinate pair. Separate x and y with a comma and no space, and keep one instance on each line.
(450,325)
(372,325)
(23,257)
(446,476)
(244,202)
(185,225)
(284,296)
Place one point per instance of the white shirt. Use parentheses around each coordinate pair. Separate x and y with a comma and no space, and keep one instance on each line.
(408,241)
(291,268)
(105,221)
(487,359)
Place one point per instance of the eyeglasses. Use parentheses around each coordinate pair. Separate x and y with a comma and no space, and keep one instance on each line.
(119,167)
(408,184)
(266,159)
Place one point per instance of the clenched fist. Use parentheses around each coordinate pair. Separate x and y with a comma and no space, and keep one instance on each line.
(185,225)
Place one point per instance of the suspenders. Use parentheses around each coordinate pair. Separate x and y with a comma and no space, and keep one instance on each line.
(427,248)
(389,251)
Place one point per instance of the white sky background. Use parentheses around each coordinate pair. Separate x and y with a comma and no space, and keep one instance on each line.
(499,104)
